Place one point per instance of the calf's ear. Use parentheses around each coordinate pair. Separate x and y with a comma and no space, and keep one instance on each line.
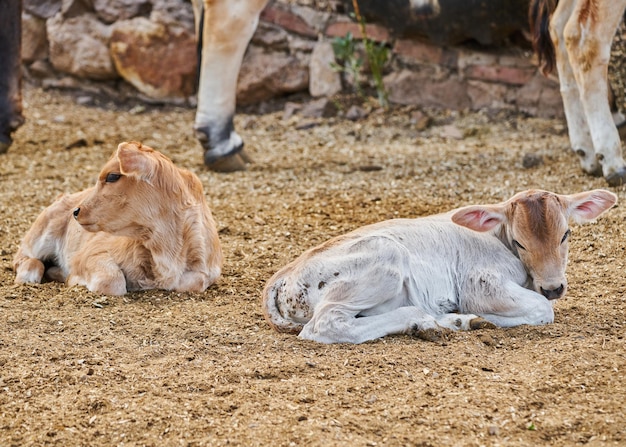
(480,217)
(586,206)
(135,161)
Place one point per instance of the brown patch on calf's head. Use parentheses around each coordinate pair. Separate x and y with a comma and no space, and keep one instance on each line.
(538,232)
(539,211)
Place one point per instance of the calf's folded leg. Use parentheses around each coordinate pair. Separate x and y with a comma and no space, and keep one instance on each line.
(100,274)
(516,306)
(193,282)
(28,270)
(336,324)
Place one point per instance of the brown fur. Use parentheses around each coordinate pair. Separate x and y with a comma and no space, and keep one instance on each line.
(149,228)
(538,214)
(588,12)
(539,226)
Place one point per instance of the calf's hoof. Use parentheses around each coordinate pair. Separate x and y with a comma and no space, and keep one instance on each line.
(229,163)
(589,163)
(435,335)
(617,178)
(481,323)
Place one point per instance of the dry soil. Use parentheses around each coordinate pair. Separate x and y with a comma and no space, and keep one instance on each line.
(168,369)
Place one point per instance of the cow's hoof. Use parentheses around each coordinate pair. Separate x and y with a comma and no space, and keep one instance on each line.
(245,156)
(594,172)
(435,335)
(5,144)
(481,323)
(230,163)
(589,163)
(617,178)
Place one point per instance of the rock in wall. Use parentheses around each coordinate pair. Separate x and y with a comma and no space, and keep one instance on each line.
(150,45)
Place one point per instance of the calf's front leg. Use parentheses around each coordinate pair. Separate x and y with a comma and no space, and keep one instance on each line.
(99,273)
(193,282)
(28,270)
(514,306)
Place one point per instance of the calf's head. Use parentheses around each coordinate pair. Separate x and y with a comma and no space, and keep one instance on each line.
(534,225)
(136,189)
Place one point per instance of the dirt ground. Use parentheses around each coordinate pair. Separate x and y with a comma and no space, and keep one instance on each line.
(169,369)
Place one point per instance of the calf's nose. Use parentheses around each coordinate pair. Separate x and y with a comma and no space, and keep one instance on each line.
(553,294)
(75,212)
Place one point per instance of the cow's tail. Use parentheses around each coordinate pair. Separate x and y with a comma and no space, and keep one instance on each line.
(273,293)
(539,14)
(199,40)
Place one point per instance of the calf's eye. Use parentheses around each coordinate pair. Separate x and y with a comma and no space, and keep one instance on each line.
(112,177)
(566,236)
(518,245)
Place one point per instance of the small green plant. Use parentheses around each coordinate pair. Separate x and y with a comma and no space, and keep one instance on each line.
(345,49)
(346,52)
(377,56)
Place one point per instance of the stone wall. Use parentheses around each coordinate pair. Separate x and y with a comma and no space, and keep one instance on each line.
(146,49)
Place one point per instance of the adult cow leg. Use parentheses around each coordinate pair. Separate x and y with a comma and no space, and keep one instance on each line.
(225,28)
(10,76)
(588,36)
(582,38)
(577,127)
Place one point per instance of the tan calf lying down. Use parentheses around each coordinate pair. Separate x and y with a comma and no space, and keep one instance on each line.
(144,225)
(477,266)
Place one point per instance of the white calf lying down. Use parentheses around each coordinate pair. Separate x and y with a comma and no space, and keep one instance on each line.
(144,225)
(502,262)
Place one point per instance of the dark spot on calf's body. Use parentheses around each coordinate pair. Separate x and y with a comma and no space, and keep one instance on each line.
(301,297)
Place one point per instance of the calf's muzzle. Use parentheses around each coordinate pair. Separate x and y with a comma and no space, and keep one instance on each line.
(553,294)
